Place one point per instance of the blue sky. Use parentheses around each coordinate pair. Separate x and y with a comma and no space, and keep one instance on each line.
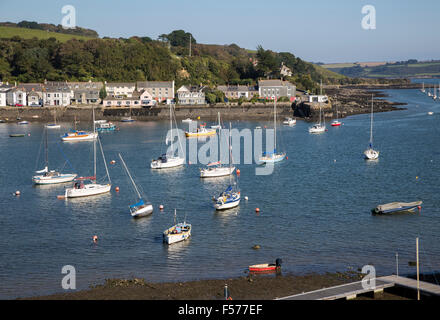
(315,30)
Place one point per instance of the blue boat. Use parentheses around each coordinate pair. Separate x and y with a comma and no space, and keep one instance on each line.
(106,126)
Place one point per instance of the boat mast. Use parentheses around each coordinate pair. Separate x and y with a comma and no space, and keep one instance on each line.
(47,153)
(371,125)
(275,123)
(129,175)
(94,145)
(103,158)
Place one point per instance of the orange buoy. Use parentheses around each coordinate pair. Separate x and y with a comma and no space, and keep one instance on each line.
(419,207)
(17,193)
(117,189)
(161,207)
(112,162)
(287,158)
(257,210)
(95,238)
(238,171)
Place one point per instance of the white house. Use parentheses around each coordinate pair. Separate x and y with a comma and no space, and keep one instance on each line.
(16,97)
(192,95)
(120,88)
(276,88)
(138,99)
(3,92)
(318,98)
(57,96)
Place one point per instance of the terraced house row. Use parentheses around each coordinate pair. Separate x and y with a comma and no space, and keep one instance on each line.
(128,94)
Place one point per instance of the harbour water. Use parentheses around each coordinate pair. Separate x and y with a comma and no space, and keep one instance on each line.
(314,208)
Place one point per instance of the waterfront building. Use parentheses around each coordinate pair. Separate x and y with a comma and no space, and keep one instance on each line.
(191,95)
(276,88)
(16,96)
(57,94)
(85,92)
(159,90)
(120,88)
(4,88)
(239,91)
(140,98)
(318,98)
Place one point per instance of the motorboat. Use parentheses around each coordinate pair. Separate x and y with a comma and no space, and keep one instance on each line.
(178,232)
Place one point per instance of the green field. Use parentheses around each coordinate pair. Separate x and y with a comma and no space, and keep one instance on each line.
(9,32)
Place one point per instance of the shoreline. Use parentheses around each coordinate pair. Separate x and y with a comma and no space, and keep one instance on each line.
(347,101)
(249,287)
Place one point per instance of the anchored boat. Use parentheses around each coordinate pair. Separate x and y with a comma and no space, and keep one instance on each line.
(179,232)
(396,207)
(47,176)
(201,132)
(266,267)
(139,209)
(81,189)
(370,153)
(169,160)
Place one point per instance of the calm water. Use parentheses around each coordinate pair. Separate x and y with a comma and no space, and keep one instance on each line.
(315,207)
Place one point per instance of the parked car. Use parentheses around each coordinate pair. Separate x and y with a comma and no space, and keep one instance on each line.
(18,105)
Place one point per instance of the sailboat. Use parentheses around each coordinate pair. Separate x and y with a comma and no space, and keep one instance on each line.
(81,189)
(289,121)
(47,176)
(229,198)
(370,153)
(201,132)
(273,156)
(170,160)
(140,208)
(219,125)
(318,127)
(80,135)
(128,119)
(53,125)
(179,232)
(423,87)
(336,122)
(434,96)
(215,169)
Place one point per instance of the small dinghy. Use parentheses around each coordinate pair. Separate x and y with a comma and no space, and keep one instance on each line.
(16,135)
(266,267)
(396,207)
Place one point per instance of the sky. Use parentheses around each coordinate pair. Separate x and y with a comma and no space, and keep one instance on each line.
(314,30)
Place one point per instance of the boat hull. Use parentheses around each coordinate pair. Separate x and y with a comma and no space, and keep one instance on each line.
(263,268)
(371,154)
(142,212)
(53,126)
(272,159)
(170,238)
(216,172)
(200,134)
(317,129)
(62,178)
(88,190)
(396,207)
(82,137)
(227,205)
(170,163)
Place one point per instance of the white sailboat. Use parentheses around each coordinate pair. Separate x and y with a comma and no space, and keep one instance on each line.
(423,87)
(215,169)
(289,122)
(140,208)
(53,125)
(318,127)
(370,153)
(47,176)
(169,160)
(434,96)
(80,135)
(81,189)
(230,198)
(270,157)
(219,125)
(128,119)
(178,232)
